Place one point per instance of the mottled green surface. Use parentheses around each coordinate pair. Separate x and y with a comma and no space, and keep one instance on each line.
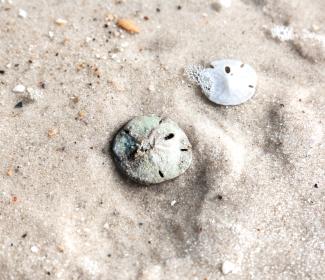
(152,150)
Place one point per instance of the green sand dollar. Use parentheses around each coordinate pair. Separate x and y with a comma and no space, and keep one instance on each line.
(151,150)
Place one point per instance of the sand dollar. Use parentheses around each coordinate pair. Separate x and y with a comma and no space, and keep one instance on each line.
(228,82)
(151,150)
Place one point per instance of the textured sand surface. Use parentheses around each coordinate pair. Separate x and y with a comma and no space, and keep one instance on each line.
(254,194)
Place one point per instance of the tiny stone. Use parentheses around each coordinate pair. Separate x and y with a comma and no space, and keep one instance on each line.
(51,34)
(109,17)
(106,226)
(10,171)
(33,94)
(173,203)
(42,84)
(151,88)
(227,267)
(22,13)
(19,89)
(34,249)
(52,132)
(60,248)
(2,72)
(61,22)
(219,4)
(19,104)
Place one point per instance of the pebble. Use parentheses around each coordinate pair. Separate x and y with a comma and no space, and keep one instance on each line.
(19,89)
(219,4)
(282,33)
(51,34)
(150,150)
(227,82)
(227,267)
(151,88)
(19,104)
(22,13)
(34,249)
(61,21)
(33,94)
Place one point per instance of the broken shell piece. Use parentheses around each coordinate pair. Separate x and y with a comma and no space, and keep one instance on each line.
(22,13)
(19,89)
(152,150)
(219,4)
(228,82)
(227,267)
(128,25)
(61,21)
(33,94)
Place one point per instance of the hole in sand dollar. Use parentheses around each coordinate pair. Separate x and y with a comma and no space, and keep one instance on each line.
(161,174)
(227,69)
(169,136)
(184,150)
(250,86)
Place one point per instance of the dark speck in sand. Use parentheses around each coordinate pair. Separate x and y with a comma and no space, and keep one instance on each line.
(19,104)
(2,72)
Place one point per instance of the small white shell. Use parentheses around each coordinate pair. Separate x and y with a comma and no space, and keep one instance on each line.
(229,82)
(227,267)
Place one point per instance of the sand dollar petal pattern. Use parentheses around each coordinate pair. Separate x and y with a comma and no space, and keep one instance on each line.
(228,82)
(151,150)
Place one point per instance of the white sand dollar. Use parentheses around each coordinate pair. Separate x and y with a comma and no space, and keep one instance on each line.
(228,82)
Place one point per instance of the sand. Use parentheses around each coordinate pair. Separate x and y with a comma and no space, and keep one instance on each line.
(254,194)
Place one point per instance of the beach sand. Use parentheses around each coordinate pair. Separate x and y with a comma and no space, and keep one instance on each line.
(255,192)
